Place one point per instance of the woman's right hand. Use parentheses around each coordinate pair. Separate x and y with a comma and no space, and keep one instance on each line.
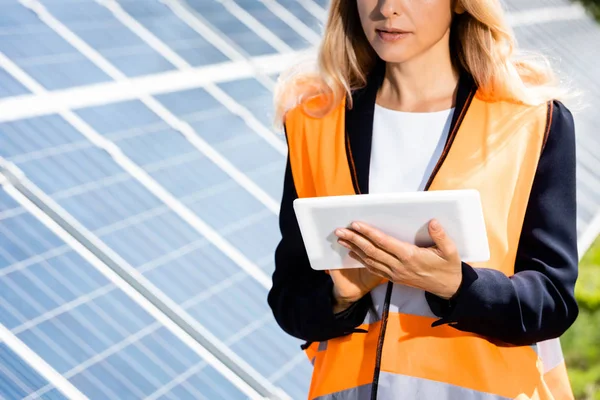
(350,285)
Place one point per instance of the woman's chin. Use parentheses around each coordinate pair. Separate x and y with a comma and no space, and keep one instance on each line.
(393,53)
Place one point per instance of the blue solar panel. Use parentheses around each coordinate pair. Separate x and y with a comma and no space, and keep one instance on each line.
(148,235)
(97,337)
(10,86)
(180,37)
(42,53)
(231,27)
(274,24)
(323,3)
(302,14)
(19,380)
(255,97)
(229,135)
(98,27)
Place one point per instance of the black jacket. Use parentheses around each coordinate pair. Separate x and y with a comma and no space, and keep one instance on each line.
(535,304)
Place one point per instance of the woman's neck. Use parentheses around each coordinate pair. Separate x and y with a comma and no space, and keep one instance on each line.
(426,83)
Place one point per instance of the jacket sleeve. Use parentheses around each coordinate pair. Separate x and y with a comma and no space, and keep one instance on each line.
(538,302)
(301,298)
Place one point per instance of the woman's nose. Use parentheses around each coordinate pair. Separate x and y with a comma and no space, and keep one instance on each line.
(389,8)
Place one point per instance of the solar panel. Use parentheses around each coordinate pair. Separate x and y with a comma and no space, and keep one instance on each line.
(571,39)
(98,27)
(42,53)
(18,380)
(97,337)
(148,235)
(236,30)
(266,17)
(177,185)
(10,86)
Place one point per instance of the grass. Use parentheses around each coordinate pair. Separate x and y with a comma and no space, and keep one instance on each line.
(581,342)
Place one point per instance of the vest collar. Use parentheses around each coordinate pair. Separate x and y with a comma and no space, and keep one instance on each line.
(359,126)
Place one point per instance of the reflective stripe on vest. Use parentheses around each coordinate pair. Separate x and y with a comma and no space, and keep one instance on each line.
(495,151)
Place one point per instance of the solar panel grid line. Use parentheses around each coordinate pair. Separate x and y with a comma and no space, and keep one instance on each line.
(19,74)
(88,187)
(32,260)
(195,21)
(141,31)
(256,267)
(32,105)
(313,8)
(178,380)
(65,307)
(59,222)
(49,59)
(13,377)
(175,204)
(288,367)
(112,350)
(9,213)
(50,342)
(248,329)
(37,363)
(164,50)
(146,289)
(108,288)
(52,345)
(66,332)
(292,21)
(19,379)
(248,117)
(158,108)
(131,339)
(216,157)
(253,24)
(49,152)
(45,16)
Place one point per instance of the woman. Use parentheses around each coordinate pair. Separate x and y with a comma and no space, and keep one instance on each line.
(425,95)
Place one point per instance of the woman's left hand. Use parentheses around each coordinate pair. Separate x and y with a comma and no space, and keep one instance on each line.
(434,269)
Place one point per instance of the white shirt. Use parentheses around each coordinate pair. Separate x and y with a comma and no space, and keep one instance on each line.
(406,147)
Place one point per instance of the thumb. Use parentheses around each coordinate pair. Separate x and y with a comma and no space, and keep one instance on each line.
(445,245)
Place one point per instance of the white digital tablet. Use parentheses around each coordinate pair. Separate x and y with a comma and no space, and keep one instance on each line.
(404,216)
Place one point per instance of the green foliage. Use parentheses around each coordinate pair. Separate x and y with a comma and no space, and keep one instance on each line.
(587,289)
(593,6)
(581,343)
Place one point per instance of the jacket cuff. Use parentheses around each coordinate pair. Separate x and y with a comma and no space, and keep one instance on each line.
(354,315)
(451,310)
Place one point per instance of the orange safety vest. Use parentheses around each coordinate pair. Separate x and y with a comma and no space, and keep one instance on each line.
(493,148)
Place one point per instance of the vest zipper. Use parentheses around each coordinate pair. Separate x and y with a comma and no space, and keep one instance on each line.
(384,319)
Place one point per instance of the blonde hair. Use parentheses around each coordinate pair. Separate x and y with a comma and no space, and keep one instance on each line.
(482,43)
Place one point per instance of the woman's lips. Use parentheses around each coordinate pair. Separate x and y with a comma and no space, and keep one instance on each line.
(391,35)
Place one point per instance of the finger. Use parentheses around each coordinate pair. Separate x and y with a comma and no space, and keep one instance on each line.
(354,250)
(444,244)
(372,266)
(367,249)
(401,250)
